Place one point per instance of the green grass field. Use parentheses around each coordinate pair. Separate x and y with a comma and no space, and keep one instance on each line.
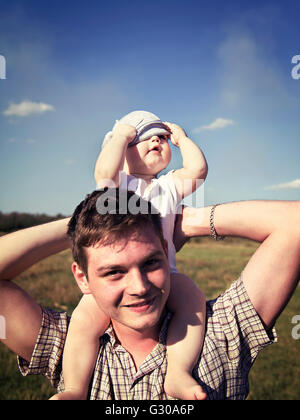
(213,266)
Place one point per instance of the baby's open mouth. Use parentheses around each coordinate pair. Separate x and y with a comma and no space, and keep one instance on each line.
(155,149)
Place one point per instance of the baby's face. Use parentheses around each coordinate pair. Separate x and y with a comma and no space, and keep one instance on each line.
(149,157)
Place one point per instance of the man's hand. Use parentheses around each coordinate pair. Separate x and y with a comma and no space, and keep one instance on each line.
(180,237)
(124,131)
(177,133)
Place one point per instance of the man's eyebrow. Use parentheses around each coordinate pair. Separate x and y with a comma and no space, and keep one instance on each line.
(155,253)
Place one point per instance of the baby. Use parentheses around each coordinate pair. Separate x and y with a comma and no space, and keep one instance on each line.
(132,155)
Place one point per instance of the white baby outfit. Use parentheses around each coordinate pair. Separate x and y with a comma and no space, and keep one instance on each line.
(164,197)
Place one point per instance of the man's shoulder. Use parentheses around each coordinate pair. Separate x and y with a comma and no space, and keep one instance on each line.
(233,320)
(234,337)
(48,350)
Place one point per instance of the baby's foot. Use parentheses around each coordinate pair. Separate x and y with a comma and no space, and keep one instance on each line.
(183,386)
(68,395)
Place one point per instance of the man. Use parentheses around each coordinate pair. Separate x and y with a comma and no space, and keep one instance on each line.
(127,272)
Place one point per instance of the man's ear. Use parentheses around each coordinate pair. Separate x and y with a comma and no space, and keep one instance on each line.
(80,278)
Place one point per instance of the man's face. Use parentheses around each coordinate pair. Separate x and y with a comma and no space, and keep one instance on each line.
(130,280)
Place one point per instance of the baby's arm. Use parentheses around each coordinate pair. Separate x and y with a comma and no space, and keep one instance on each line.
(194,163)
(185,338)
(87,325)
(111,158)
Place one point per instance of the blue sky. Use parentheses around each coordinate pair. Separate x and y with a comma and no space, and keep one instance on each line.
(221,70)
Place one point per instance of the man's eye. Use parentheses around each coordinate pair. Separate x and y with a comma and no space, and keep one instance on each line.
(112,273)
(153,263)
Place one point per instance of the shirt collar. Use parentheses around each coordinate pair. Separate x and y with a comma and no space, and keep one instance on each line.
(110,335)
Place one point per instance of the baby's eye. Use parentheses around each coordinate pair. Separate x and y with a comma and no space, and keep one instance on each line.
(163,137)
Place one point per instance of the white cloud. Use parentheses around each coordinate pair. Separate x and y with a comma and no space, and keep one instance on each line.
(292,185)
(69,161)
(26,108)
(215,125)
(249,76)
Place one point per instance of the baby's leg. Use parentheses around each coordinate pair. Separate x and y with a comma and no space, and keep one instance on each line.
(185,338)
(87,324)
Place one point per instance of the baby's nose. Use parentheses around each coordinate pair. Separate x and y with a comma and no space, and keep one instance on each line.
(155,139)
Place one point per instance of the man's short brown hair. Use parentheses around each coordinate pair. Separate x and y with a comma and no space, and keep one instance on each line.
(109,215)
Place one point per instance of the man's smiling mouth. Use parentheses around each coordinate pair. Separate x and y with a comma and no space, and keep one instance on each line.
(140,306)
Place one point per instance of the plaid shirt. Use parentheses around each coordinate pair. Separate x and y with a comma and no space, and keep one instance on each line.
(234,337)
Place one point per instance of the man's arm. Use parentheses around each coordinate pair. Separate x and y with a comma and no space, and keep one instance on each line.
(272,274)
(19,251)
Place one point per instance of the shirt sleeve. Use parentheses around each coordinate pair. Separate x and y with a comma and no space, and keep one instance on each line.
(238,327)
(46,358)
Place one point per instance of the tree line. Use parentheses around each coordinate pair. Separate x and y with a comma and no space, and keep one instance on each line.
(10,222)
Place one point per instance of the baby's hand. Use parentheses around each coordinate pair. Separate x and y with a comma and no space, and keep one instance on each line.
(124,130)
(177,133)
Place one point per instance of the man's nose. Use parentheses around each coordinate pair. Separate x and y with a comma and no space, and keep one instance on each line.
(138,284)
